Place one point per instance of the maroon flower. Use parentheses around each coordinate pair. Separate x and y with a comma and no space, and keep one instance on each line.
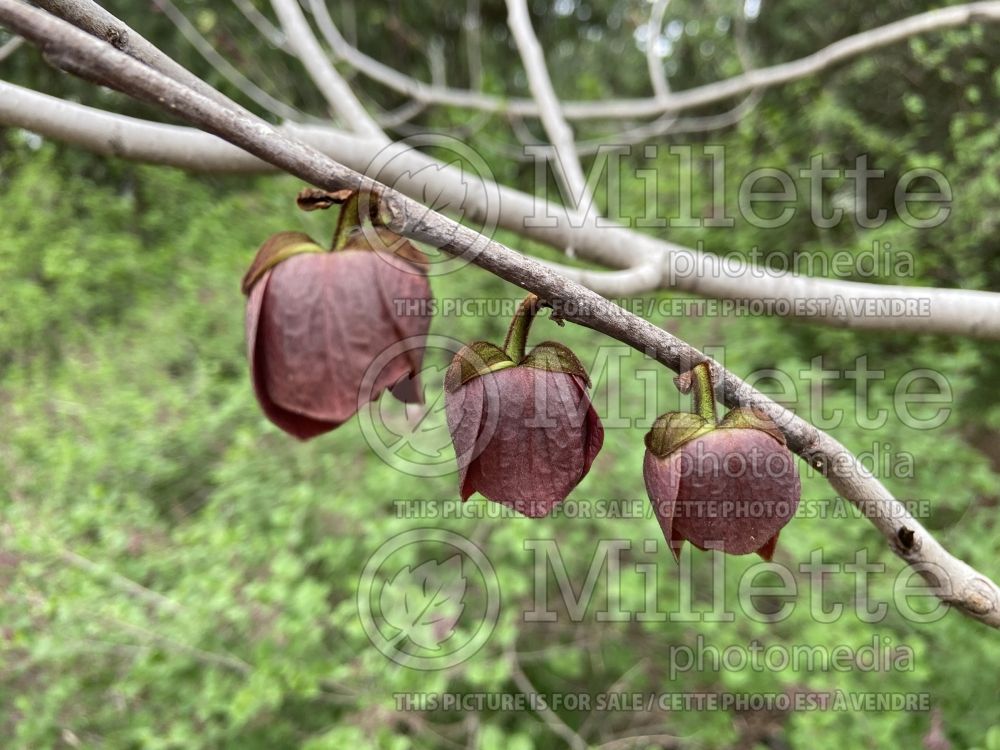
(320,325)
(729,485)
(524,430)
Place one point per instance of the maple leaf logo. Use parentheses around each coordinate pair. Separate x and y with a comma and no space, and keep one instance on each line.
(423,604)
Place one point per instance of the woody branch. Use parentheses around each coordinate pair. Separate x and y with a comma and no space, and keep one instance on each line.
(76,51)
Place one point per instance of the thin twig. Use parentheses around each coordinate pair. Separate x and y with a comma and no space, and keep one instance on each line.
(472,25)
(615,687)
(92,18)
(227,661)
(550,717)
(644,740)
(670,125)
(567,163)
(226,69)
(10,47)
(263,25)
(330,83)
(654,28)
(123,583)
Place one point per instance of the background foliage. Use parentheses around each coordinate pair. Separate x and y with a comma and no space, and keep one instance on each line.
(133,458)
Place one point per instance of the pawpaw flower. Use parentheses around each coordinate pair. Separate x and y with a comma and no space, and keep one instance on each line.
(524,430)
(729,485)
(320,322)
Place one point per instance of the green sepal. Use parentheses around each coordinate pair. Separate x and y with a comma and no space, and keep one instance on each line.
(674,429)
(277,248)
(555,357)
(748,418)
(473,361)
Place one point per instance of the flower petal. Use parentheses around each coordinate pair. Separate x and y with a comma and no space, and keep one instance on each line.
(537,454)
(464,408)
(405,294)
(738,488)
(297,425)
(662,476)
(767,551)
(593,426)
(323,331)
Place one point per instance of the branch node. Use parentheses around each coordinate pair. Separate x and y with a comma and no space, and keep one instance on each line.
(978,598)
(907,539)
(117,37)
(556,316)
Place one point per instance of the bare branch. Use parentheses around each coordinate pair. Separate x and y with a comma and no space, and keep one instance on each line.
(401,115)
(670,125)
(10,47)
(949,311)
(263,25)
(630,109)
(951,579)
(845,49)
(92,18)
(547,715)
(658,79)
(334,88)
(134,588)
(629,281)
(226,69)
(567,164)
(473,27)
(645,740)
(615,687)
(369,66)
(210,658)
(112,134)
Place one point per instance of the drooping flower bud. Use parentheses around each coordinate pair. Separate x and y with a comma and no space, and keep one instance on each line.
(729,485)
(318,319)
(524,430)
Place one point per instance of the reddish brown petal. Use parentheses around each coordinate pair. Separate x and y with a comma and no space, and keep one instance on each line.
(322,326)
(767,551)
(254,300)
(538,452)
(405,294)
(464,408)
(408,389)
(297,425)
(662,477)
(593,426)
(676,544)
(738,488)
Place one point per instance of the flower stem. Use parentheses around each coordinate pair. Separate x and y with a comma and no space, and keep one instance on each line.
(517,334)
(348,220)
(701,390)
